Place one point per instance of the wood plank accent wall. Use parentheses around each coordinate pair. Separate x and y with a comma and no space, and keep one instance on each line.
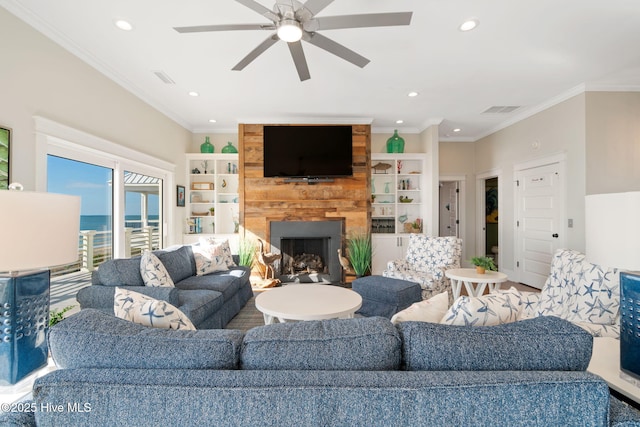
(271,199)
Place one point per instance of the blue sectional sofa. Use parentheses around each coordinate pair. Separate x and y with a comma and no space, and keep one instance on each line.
(343,372)
(209,301)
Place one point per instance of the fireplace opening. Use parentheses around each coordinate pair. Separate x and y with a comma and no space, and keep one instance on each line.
(304,256)
(309,251)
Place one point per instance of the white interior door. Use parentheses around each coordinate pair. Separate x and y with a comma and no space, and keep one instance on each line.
(449,208)
(539,219)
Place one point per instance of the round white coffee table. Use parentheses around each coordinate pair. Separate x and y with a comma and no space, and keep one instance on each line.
(307,302)
(473,282)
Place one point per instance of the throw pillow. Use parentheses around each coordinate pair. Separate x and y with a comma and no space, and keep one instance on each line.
(206,260)
(153,271)
(430,310)
(147,311)
(220,247)
(487,310)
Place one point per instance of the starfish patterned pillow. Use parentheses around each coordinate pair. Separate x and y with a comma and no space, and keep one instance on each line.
(487,310)
(147,311)
(153,272)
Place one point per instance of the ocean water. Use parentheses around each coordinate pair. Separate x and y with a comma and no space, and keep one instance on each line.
(103,222)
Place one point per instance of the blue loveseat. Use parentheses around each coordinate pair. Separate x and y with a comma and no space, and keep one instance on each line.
(347,372)
(209,301)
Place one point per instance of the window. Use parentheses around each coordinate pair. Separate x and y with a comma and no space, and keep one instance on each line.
(124,190)
(92,184)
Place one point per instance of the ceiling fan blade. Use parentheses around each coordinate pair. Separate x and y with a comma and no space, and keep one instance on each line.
(337,49)
(297,53)
(257,7)
(231,27)
(316,6)
(270,41)
(365,20)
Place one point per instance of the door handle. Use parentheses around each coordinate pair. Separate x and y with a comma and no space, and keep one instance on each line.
(554,235)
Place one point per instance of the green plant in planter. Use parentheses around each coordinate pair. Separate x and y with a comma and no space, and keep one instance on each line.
(57,316)
(359,252)
(247,252)
(484,263)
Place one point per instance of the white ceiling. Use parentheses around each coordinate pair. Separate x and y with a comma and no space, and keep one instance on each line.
(527,53)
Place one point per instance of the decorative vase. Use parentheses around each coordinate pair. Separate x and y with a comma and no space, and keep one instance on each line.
(229,148)
(206,147)
(386,187)
(395,144)
(480,270)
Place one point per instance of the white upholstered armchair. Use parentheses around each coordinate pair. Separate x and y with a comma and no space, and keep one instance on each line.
(426,260)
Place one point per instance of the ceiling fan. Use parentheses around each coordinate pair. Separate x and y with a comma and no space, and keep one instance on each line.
(294,21)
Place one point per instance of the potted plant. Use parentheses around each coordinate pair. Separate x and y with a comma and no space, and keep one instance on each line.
(359,252)
(247,252)
(483,263)
(57,316)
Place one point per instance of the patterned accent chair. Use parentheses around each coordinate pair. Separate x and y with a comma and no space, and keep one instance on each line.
(576,290)
(426,260)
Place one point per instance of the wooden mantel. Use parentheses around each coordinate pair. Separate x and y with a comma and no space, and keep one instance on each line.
(272,199)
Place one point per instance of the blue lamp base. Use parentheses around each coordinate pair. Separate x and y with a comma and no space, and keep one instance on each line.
(630,323)
(24,318)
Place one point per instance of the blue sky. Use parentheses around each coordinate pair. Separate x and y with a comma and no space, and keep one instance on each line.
(91,183)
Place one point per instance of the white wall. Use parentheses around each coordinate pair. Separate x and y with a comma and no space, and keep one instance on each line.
(613,142)
(39,78)
(559,129)
(458,159)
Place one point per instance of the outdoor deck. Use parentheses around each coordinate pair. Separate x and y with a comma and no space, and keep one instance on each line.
(64,289)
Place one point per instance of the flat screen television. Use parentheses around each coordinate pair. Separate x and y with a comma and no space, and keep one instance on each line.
(308,151)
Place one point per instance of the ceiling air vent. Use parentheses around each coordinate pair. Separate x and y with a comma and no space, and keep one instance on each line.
(501,109)
(164,77)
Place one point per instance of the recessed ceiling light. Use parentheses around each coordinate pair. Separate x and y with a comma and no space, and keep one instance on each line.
(123,25)
(457,130)
(212,120)
(399,122)
(192,93)
(412,94)
(469,24)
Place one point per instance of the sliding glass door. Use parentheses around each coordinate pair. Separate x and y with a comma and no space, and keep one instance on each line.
(120,216)
(92,183)
(143,212)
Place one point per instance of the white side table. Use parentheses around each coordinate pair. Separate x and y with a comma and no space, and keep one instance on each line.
(307,302)
(605,362)
(474,283)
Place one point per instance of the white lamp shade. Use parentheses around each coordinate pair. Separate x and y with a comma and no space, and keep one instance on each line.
(612,226)
(37,230)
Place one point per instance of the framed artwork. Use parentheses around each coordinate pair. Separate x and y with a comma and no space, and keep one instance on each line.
(180,195)
(5,149)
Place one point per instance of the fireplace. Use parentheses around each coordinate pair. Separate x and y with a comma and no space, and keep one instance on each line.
(309,250)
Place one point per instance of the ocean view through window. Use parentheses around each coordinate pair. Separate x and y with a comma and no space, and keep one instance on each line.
(140,225)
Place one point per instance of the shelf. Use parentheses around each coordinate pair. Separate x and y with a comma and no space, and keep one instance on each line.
(211,193)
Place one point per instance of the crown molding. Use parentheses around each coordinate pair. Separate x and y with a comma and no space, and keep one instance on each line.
(26,15)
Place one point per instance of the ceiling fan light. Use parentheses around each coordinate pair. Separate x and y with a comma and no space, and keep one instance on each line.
(289,30)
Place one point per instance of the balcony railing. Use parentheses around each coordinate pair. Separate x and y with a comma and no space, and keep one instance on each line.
(95,247)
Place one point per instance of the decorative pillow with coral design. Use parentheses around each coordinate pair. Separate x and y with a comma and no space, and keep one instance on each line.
(207,261)
(220,247)
(153,271)
(487,310)
(141,309)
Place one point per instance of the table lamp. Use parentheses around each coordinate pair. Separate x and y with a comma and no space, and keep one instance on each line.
(37,231)
(613,239)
